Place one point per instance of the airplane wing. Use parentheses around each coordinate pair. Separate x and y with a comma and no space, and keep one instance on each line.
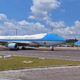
(27,43)
(3,42)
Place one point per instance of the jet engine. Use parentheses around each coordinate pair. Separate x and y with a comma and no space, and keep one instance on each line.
(13,46)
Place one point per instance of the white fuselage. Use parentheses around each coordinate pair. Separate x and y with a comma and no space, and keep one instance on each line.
(39,38)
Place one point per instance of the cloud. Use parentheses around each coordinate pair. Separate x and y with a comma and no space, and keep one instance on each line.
(32,28)
(42,8)
(57,27)
(70,31)
(3,17)
(24,27)
(9,24)
(59,24)
(8,27)
(23,23)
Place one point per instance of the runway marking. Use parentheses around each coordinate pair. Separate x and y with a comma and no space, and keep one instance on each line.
(45,51)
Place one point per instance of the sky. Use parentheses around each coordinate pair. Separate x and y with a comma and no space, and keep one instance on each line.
(40,16)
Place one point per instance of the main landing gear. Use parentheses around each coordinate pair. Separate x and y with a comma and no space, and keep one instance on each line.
(52,48)
(23,48)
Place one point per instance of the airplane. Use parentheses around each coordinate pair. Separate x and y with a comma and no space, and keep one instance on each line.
(77,43)
(36,40)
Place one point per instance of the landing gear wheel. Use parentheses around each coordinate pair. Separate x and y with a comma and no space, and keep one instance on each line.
(16,47)
(52,48)
(23,48)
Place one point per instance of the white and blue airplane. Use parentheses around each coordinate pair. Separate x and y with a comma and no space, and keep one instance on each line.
(77,43)
(48,39)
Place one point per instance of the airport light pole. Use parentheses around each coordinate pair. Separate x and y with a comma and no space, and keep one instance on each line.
(16,31)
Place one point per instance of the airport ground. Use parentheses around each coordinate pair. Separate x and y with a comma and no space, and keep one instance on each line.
(64,73)
(61,73)
(67,53)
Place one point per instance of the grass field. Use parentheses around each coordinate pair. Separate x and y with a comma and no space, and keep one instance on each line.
(19,62)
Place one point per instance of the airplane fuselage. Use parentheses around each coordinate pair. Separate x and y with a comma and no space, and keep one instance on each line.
(31,40)
(38,38)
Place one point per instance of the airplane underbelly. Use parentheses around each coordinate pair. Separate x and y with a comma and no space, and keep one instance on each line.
(50,42)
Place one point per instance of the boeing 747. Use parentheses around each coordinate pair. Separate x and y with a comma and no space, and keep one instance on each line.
(14,42)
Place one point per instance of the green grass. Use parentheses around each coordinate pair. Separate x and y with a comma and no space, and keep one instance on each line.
(16,62)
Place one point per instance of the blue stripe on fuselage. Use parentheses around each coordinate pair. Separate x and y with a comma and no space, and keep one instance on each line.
(48,37)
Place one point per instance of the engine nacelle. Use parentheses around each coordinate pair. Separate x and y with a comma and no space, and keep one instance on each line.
(12,46)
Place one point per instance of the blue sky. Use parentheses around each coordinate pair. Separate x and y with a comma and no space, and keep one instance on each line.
(68,11)
(15,9)
(20,9)
(63,15)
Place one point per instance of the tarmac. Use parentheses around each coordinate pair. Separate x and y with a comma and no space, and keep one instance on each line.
(58,53)
(48,73)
